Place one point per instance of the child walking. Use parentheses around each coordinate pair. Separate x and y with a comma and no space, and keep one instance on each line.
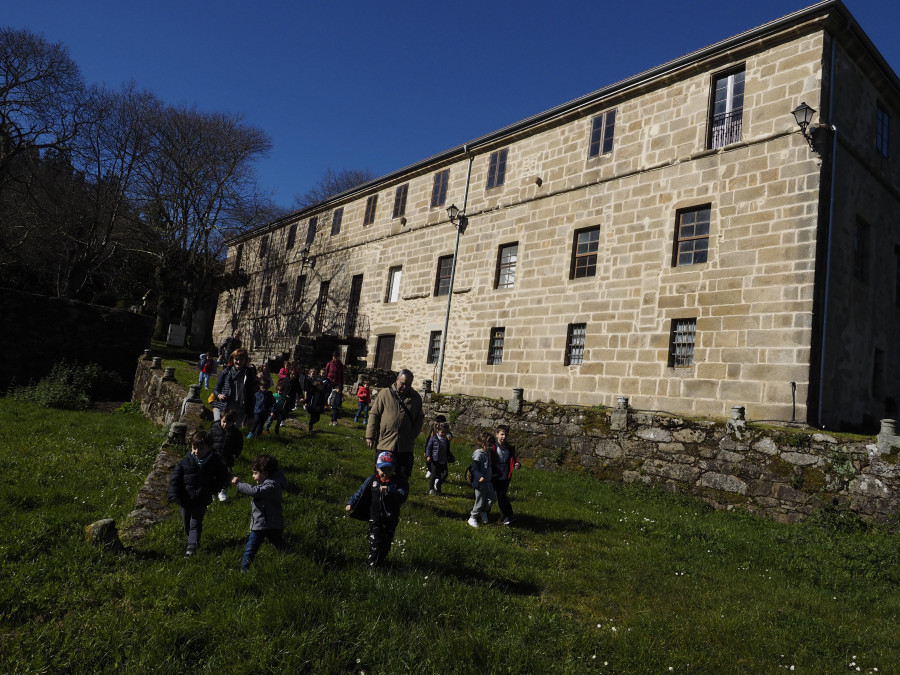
(207,366)
(278,409)
(503,461)
(194,481)
(262,409)
(378,500)
(481,479)
(227,441)
(266,520)
(437,455)
(363,398)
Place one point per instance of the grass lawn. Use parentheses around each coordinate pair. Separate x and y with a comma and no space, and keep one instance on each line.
(593,577)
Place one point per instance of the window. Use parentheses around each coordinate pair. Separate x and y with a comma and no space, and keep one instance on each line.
(281,294)
(393,287)
(727,109)
(238,255)
(299,287)
(575,344)
(603,129)
(439,190)
(495,346)
(267,296)
(584,253)
(356,284)
(882,129)
(245,301)
(263,246)
(506,265)
(371,203)
(861,248)
(400,200)
(319,321)
(691,236)
(444,270)
(434,347)
(497,169)
(384,352)
(292,236)
(681,343)
(336,221)
(311,230)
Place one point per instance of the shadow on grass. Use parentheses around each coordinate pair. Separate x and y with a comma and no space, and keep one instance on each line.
(534,524)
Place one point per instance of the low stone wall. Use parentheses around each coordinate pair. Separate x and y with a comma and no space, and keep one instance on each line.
(39,331)
(162,400)
(784,474)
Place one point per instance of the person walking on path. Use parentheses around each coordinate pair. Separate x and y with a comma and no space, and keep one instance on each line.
(334,371)
(236,389)
(395,420)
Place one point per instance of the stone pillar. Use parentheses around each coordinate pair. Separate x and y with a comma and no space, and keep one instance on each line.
(147,354)
(515,403)
(737,424)
(887,437)
(619,418)
(193,394)
(169,374)
(157,362)
(426,389)
(178,433)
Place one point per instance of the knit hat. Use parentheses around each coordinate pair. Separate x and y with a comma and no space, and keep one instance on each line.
(385,459)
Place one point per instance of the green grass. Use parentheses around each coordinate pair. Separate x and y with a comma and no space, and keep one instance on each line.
(594,577)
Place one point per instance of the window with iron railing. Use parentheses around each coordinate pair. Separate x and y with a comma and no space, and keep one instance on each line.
(727,109)
(682,338)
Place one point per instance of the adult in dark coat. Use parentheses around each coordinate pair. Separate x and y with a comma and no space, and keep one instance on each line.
(236,389)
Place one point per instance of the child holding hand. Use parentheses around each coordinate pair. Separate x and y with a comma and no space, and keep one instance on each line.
(266,520)
(481,479)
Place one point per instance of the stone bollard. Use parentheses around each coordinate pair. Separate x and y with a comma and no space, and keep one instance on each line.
(103,533)
(737,424)
(169,375)
(515,403)
(426,387)
(193,394)
(619,418)
(157,362)
(888,441)
(148,354)
(178,433)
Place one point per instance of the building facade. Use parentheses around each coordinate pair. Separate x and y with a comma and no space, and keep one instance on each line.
(673,238)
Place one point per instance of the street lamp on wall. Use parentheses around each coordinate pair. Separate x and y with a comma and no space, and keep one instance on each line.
(803,115)
(459,221)
(457,218)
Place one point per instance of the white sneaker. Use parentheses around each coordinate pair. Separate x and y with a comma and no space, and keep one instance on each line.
(484,517)
(473,522)
(427,474)
(223,495)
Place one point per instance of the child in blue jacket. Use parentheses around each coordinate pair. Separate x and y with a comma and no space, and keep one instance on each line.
(481,479)
(262,409)
(378,500)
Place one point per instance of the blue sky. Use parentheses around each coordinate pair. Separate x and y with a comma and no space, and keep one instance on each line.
(350,84)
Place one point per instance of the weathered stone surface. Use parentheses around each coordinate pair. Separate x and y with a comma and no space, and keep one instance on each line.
(103,533)
(689,435)
(766,446)
(608,448)
(868,486)
(727,456)
(724,482)
(654,434)
(800,459)
(823,438)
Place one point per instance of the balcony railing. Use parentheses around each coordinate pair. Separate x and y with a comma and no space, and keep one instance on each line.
(726,128)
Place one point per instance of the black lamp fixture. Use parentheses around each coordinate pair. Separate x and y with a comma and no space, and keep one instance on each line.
(457,217)
(803,114)
(306,258)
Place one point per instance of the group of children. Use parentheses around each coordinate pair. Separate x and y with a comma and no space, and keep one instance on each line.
(207,469)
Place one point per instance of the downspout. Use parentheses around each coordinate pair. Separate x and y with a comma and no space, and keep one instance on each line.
(834,139)
(459,229)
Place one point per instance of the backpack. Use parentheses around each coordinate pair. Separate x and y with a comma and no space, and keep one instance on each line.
(200,364)
(470,477)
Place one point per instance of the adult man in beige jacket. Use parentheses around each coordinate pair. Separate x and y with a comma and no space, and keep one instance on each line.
(395,419)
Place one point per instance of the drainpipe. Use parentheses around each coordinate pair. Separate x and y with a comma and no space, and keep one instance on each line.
(459,228)
(834,145)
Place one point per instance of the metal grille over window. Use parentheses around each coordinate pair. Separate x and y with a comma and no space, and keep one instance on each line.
(684,333)
(434,346)
(727,110)
(575,344)
(495,348)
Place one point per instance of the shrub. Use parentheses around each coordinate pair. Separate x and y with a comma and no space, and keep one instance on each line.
(71,386)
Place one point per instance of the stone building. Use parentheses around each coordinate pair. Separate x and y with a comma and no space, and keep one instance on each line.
(675,238)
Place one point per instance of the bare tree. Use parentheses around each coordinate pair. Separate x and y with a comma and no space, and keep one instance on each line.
(333,183)
(41,99)
(198,188)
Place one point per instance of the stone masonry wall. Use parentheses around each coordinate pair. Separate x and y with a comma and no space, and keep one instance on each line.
(784,474)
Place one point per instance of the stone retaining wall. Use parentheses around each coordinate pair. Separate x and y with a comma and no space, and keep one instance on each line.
(785,474)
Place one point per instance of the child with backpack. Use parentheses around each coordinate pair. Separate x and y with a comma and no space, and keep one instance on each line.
(207,366)
(481,479)
(278,413)
(437,455)
(503,461)
(378,500)
(262,409)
